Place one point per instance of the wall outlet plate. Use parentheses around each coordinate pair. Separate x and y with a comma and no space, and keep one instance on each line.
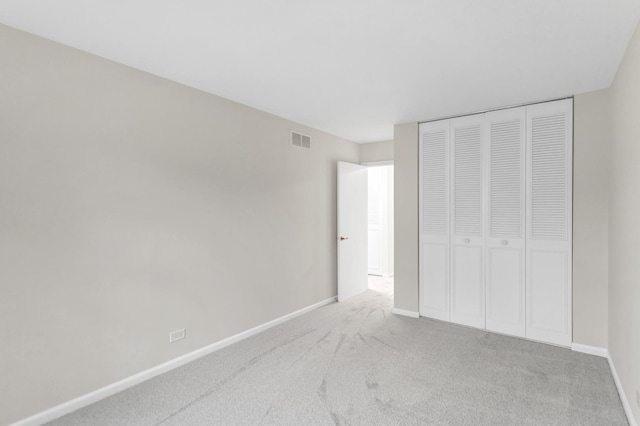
(174,336)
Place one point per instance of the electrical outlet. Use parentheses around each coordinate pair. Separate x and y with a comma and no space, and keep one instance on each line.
(174,336)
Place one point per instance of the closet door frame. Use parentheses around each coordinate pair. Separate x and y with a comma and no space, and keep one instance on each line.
(554,256)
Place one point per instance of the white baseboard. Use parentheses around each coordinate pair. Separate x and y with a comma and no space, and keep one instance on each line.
(604,352)
(405,313)
(623,395)
(82,401)
(591,350)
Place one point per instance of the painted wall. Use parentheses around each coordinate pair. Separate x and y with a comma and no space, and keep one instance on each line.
(405,164)
(624,225)
(132,206)
(376,151)
(591,145)
(590,221)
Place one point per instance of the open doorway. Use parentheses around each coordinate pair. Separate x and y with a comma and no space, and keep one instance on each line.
(380,227)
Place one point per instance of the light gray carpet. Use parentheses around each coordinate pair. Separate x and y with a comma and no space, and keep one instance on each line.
(355,363)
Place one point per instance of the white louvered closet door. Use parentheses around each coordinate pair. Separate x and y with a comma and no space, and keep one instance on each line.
(467,236)
(549,237)
(505,242)
(434,220)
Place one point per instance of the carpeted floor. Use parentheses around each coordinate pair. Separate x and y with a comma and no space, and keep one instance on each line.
(356,363)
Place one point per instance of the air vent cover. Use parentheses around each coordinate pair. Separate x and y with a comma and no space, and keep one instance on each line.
(300,140)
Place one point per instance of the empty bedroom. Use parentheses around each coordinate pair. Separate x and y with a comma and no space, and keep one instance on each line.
(326,213)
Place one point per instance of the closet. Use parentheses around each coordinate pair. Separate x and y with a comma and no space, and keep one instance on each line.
(495,221)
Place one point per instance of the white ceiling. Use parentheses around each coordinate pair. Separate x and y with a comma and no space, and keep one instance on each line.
(352,68)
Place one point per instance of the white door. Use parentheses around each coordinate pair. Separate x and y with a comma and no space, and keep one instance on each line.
(467,233)
(505,242)
(434,219)
(549,192)
(352,230)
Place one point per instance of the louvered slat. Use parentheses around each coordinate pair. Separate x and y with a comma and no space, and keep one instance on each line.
(468,180)
(434,182)
(505,180)
(549,192)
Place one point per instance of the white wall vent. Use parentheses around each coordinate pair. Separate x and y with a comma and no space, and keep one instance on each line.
(300,140)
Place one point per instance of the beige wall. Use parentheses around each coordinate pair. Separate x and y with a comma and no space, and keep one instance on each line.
(405,163)
(376,151)
(591,144)
(133,206)
(624,225)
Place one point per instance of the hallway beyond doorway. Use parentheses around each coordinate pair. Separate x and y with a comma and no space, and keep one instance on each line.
(382,285)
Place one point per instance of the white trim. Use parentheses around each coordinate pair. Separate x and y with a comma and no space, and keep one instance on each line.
(623,396)
(405,313)
(591,350)
(92,397)
(604,352)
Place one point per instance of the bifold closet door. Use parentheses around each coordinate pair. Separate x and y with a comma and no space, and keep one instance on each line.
(505,242)
(434,219)
(467,236)
(495,221)
(549,207)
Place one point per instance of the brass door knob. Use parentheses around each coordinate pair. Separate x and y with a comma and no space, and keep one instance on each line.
(343,238)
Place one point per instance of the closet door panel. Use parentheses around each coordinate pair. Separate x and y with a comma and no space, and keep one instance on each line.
(505,291)
(549,189)
(548,295)
(466,286)
(434,297)
(434,219)
(505,242)
(467,252)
